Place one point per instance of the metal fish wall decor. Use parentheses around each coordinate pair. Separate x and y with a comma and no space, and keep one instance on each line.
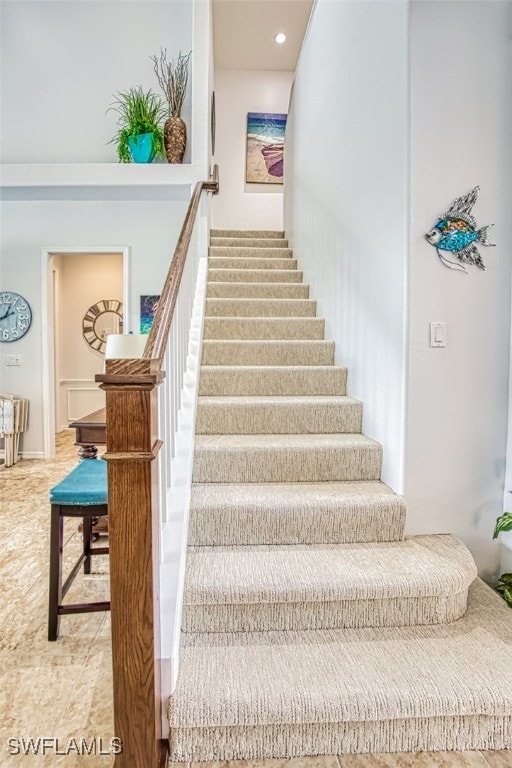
(456,231)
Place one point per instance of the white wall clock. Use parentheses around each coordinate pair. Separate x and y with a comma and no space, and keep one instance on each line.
(101,319)
(15,316)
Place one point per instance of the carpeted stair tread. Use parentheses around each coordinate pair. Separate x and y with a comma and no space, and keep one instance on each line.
(248,233)
(253,290)
(234,352)
(241,254)
(275,694)
(421,580)
(285,458)
(417,566)
(278,414)
(231,380)
(254,275)
(270,328)
(249,242)
(237,307)
(295,513)
(216,262)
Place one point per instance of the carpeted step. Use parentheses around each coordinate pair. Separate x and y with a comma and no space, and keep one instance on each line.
(285,458)
(247,233)
(273,328)
(421,580)
(295,513)
(254,276)
(277,415)
(249,242)
(260,308)
(240,254)
(272,380)
(394,689)
(233,262)
(231,352)
(257,290)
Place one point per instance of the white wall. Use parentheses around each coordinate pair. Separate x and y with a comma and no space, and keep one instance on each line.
(61,63)
(346,199)
(400,110)
(81,280)
(237,92)
(149,227)
(457,396)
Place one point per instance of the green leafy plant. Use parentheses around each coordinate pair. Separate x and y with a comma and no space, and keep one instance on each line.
(504,585)
(139,112)
(503,523)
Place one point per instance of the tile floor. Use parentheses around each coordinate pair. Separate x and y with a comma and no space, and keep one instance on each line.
(63,690)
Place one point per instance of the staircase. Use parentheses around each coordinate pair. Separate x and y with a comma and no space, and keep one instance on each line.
(311,625)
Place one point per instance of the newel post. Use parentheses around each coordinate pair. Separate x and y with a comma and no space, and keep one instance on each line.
(134,532)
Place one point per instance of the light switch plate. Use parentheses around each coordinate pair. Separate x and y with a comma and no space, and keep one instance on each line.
(437,334)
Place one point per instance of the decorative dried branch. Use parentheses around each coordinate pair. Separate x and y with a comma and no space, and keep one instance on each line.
(172,79)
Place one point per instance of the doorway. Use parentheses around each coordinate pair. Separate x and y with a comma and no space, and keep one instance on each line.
(80,283)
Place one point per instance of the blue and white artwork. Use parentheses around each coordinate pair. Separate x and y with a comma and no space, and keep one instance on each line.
(265,147)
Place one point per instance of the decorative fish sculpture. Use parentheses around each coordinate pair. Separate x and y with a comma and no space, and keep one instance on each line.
(456,231)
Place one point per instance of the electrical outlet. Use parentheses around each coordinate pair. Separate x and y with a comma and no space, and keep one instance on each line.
(13,359)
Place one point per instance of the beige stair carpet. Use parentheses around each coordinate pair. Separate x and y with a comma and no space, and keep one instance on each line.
(387,689)
(311,625)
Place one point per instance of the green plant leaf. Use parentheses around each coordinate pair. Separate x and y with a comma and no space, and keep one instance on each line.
(504,587)
(138,112)
(507,595)
(503,523)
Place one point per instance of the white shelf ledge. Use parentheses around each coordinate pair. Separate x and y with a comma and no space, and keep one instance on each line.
(89,181)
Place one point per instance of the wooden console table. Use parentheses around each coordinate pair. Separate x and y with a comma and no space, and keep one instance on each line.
(91,430)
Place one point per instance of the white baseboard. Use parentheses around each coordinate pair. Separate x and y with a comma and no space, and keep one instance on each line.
(26,454)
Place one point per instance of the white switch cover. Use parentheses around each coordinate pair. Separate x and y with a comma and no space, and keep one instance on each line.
(13,360)
(437,334)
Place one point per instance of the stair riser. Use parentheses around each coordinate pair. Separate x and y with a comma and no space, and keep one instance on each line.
(228,381)
(248,242)
(339,614)
(248,254)
(260,308)
(262,328)
(254,276)
(227,526)
(229,419)
(268,353)
(244,290)
(287,465)
(428,734)
(247,233)
(254,263)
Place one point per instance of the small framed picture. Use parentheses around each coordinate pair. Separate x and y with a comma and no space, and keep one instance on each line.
(148,307)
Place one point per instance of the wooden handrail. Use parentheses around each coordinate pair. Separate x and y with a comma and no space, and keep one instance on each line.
(159,333)
(133,443)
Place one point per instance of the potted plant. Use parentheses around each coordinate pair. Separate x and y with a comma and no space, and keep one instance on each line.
(173,78)
(139,135)
(504,585)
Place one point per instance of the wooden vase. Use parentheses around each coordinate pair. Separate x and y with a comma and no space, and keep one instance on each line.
(175,139)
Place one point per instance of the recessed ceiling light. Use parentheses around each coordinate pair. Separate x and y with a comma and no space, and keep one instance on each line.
(280,37)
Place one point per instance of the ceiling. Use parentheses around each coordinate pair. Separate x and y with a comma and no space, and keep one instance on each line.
(244,31)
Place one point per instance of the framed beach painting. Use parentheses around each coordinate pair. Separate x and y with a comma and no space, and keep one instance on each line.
(265,148)
(148,307)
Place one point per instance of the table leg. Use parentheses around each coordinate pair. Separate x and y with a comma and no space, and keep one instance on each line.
(87,452)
